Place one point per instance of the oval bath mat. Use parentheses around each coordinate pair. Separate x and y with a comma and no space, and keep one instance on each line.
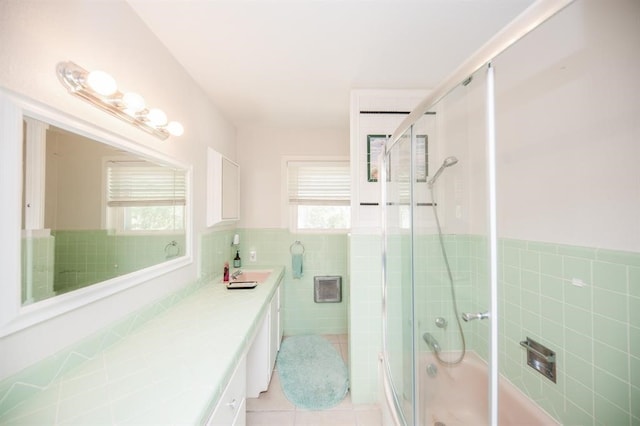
(312,373)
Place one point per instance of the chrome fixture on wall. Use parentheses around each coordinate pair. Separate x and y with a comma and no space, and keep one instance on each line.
(470,316)
(431,342)
(101,90)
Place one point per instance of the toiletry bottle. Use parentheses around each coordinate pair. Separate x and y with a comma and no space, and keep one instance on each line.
(225,276)
(237,262)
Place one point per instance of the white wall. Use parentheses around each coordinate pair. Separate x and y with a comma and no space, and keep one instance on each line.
(567,133)
(568,129)
(34,37)
(260,153)
(73,195)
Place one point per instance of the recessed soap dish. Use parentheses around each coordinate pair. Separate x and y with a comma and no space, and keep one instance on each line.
(540,358)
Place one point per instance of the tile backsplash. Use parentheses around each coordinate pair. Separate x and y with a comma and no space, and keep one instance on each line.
(324,254)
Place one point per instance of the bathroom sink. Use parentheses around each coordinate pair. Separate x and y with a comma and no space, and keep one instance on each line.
(258,276)
(249,275)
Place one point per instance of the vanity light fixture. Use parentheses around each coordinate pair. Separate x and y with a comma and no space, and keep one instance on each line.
(100,89)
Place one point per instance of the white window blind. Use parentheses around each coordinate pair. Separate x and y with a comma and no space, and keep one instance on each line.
(138,183)
(319,182)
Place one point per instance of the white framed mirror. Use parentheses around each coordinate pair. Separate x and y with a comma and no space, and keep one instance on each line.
(91,213)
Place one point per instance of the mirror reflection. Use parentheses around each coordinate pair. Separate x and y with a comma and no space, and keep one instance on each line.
(92,212)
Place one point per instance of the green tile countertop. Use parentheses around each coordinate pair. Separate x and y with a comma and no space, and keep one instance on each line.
(171,370)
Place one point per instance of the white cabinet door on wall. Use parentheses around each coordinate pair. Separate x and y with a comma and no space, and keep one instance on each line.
(223,188)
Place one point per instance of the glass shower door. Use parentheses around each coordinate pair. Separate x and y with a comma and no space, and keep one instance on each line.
(398,341)
(450,257)
(437,262)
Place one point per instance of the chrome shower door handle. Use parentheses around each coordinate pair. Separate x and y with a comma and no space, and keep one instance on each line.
(468,316)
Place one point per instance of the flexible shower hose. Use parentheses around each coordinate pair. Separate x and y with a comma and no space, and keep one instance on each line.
(453,290)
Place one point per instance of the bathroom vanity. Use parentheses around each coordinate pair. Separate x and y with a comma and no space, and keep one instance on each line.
(186,363)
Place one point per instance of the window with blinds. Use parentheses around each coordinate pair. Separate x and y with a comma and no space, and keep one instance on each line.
(136,183)
(319,193)
(142,196)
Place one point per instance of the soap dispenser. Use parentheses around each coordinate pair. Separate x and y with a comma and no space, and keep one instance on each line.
(237,262)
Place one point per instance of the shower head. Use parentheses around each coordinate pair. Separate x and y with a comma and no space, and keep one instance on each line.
(448,162)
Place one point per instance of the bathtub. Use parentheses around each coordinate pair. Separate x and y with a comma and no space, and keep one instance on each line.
(459,396)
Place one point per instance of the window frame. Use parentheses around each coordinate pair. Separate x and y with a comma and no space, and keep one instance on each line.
(114,216)
(291,209)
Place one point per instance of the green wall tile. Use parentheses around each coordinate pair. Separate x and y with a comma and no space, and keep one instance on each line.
(635,407)
(634,281)
(578,296)
(551,310)
(577,319)
(610,304)
(542,247)
(610,388)
(577,252)
(620,257)
(611,360)
(552,287)
(575,415)
(611,414)
(530,260)
(580,395)
(551,264)
(530,281)
(511,256)
(610,332)
(577,268)
(634,341)
(634,311)
(578,368)
(610,276)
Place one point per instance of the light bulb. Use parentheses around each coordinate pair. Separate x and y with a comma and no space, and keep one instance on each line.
(102,83)
(175,128)
(133,102)
(157,117)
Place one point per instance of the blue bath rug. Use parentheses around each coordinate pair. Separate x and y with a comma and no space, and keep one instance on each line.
(312,373)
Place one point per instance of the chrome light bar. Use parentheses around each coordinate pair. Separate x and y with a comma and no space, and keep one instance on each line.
(100,89)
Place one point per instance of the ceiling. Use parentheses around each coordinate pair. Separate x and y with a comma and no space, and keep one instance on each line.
(294,62)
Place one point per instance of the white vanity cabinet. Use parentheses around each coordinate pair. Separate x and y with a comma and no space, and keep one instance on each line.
(223,189)
(262,355)
(275,332)
(231,408)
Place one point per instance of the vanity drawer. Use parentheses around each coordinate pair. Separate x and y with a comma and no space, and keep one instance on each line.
(231,406)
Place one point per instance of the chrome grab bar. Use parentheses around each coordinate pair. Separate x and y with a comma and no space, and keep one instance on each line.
(530,348)
(468,316)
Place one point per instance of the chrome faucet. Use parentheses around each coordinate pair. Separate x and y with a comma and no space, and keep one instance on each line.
(236,274)
(468,316)
(431,342)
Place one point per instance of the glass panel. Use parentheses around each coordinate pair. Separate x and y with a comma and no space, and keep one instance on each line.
(450,256)
(399,300)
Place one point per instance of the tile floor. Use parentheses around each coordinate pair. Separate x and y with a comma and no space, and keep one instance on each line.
(272,408)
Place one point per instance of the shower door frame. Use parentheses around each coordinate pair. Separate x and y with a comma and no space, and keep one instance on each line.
(527,21)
